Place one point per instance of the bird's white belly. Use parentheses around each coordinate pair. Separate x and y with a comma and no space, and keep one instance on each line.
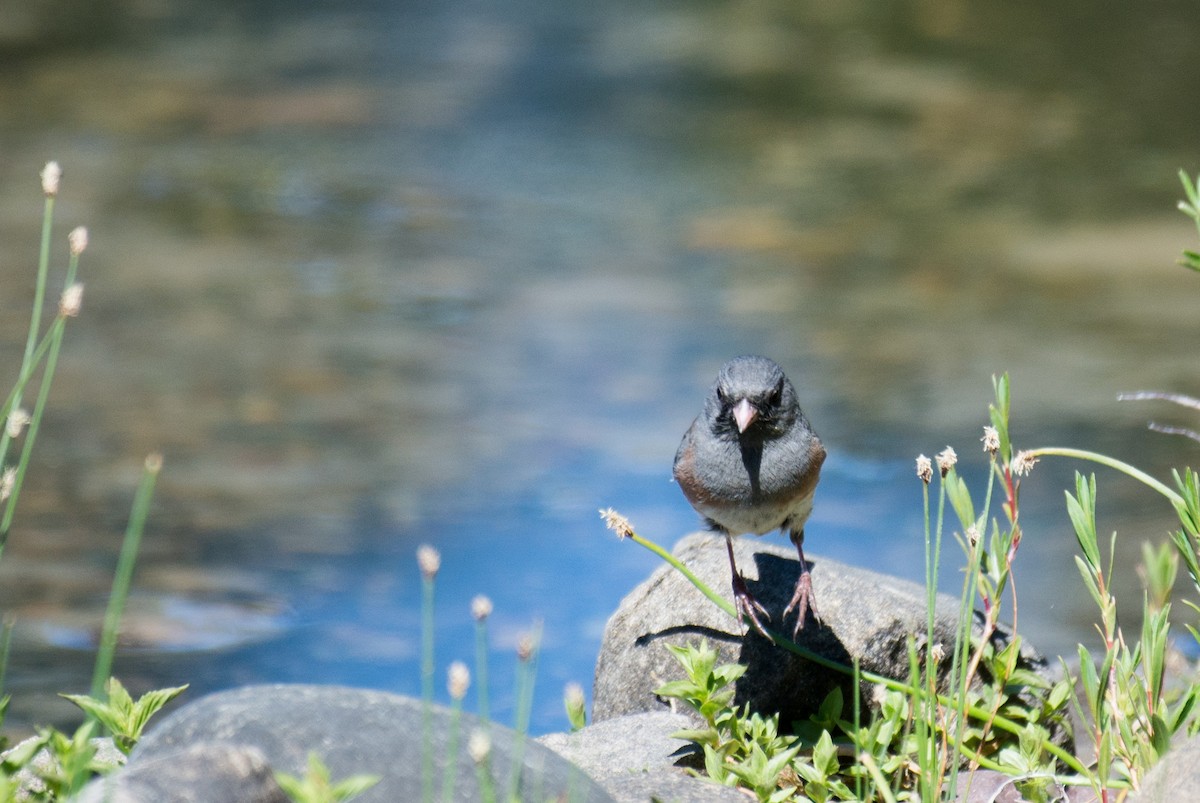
(761,518)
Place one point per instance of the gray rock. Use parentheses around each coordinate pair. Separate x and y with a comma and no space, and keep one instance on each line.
(865,615)
(636,759)
(986,786)
(354,731)
(674,788)
(1175,778)
(197,774)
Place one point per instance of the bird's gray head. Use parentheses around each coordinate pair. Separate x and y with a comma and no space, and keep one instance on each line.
(751,400)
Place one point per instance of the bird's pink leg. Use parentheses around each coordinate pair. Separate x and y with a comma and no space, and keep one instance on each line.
(743,600)
(803,598)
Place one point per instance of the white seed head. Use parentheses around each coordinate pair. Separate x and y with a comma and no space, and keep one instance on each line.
(574,697)
(154,462)
(481,607)
(459,680)
(71,301)
(1023,463)
(991,440)
(429,559)
(18,419)
(51,174)
(525,646)
(972,535)
(946,460)
(78,239)
(616,522)
(479,745)
(8,481)
(924,468)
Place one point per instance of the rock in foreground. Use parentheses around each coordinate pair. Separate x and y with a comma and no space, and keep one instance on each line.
(864,615)
(265,729)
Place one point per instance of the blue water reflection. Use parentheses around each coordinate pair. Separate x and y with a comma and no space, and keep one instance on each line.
(384,274)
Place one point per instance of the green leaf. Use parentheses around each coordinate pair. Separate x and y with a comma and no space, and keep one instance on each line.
(728,673)
(715,767)
(960,499)
(292,786)
(354,786)
(1089,580)
(1081,509)
(831,706)
(781,796)
(998,413)
(1188,554)
(699,736)
(96,708)
(1181,713)
(1059,694)
(678,689)
(1189,188)
(150,704)
(825,755)
(1089,679)
(317,787)
(778,762)
(1028,679)
(120,715)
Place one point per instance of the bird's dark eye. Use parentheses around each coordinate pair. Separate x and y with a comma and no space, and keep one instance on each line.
(777,394)
(721,395)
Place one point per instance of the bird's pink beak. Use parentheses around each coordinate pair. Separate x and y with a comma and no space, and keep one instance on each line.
(744,413)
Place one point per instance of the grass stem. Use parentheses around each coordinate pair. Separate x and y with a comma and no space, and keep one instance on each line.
(124,575)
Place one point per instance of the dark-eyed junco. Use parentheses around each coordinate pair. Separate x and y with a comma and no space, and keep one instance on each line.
(749,464)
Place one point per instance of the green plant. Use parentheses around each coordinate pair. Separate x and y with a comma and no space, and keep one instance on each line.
(429,561)
(527,655)
(743,748)
(575,705)
(478,743)
(41,350)
(130,545)
(1190,206)
(124,717)
(73,761)
(459,680)
(64,763)
(316,786)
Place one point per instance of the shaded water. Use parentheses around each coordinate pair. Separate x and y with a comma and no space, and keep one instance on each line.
(377,275)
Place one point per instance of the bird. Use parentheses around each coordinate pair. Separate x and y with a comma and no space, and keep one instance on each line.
(749,464)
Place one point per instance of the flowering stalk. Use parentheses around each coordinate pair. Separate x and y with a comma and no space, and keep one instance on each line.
(458,682)
(429,562)
(481,609)
(51,176)
(124,575)
(479,746)
(527,650)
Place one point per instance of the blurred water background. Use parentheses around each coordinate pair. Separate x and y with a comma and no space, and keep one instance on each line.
(377,274)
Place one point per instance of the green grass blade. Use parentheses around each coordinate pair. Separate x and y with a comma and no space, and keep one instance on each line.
(125,562)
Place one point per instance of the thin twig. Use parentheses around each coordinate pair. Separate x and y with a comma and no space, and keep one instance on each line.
(1158,395)
(1168,430)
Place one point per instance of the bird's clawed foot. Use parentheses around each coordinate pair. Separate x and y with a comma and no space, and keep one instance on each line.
(747,606)
(803,600)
